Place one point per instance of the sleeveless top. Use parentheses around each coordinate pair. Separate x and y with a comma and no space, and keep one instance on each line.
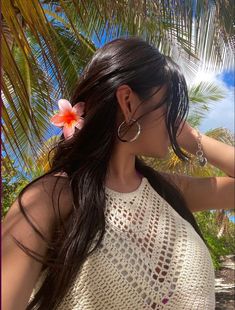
(150,258)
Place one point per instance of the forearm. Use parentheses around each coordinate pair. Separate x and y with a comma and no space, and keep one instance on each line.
(217,153)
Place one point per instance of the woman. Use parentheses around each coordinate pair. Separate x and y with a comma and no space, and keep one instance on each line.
(122,235)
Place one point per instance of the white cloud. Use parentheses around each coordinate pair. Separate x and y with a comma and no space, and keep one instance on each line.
(221,113)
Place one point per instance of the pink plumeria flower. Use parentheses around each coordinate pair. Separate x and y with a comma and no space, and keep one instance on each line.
(69,117)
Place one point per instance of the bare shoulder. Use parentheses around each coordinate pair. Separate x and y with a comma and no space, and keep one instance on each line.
(38,199)
(57,187)
(36,204)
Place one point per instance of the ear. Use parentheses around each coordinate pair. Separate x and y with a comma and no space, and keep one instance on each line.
(126,99)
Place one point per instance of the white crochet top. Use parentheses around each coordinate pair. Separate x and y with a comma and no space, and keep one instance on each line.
(150,258)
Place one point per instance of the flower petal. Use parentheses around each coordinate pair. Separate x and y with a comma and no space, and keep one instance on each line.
(57,120)
(79,107)
(68,131)
(80,123)
(64,105)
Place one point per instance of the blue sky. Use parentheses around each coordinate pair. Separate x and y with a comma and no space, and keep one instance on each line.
(228,77)
(222,112)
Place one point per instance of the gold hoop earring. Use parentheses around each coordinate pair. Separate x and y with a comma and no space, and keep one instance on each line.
(135,137)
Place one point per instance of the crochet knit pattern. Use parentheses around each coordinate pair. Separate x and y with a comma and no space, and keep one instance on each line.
(150,258)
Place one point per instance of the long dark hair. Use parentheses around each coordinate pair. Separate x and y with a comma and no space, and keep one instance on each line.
(85,156)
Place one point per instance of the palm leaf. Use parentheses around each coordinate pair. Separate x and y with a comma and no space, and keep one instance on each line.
(203,97)
(46,45)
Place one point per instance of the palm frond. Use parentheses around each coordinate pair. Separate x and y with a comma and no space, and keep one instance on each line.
(203,97)
(46,44)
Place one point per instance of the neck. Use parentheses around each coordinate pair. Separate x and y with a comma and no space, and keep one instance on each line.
(121,170)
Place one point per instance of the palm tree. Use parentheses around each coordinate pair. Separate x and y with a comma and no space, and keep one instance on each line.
(200,97)
(41,43)
(46,44)
(222,220)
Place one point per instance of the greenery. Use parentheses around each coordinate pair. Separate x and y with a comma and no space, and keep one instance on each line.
(224,245)
(12,183)
(47,43)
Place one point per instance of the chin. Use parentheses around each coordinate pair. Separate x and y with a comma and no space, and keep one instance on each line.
(162,153)
(159,155)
